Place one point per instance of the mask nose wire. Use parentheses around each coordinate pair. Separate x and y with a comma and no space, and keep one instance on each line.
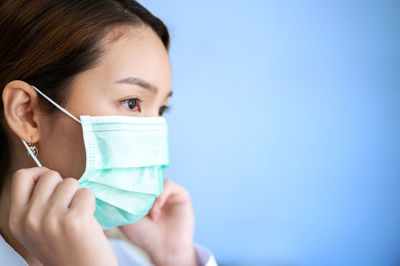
(57,105)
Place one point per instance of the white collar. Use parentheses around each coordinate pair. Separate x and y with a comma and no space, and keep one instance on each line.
(8,256)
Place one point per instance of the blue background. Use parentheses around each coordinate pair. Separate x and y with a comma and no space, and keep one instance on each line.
(285,128)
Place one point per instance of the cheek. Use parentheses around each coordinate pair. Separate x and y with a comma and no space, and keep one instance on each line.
(62,148)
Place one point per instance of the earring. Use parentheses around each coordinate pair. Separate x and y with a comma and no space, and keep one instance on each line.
(33,148)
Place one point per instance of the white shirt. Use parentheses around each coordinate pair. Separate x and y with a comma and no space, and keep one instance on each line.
(125,252)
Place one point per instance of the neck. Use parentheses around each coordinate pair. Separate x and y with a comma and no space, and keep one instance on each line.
(4,229)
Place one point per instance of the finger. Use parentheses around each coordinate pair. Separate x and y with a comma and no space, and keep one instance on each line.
(135,232)
(63,194)
(83,202)
(23,183)
(45,188)
(160,200)
(170,189)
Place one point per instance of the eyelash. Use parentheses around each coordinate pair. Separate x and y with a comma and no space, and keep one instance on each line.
(138,102)
(163,110)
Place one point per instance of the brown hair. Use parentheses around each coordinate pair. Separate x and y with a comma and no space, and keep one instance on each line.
(48,42)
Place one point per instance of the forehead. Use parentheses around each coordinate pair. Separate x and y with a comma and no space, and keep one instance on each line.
(137,52)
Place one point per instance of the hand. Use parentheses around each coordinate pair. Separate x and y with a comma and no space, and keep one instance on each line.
(54,219)
(166,233)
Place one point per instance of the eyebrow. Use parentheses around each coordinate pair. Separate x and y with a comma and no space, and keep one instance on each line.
(142,83)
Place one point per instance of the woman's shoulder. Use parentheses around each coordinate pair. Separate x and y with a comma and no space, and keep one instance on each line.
(127,254)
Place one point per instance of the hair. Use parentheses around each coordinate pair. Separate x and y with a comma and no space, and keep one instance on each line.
(48,42)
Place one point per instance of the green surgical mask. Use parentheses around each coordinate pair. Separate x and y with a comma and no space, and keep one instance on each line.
(125,158)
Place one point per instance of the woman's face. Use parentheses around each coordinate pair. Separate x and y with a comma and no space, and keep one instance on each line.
(133,78)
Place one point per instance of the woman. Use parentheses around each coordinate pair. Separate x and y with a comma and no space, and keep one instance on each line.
(84,86)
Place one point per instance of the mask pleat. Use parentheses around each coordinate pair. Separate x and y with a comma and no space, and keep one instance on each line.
(129,201)
(111,216)
(143,179)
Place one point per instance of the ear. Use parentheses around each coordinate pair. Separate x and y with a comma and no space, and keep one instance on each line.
(21,110)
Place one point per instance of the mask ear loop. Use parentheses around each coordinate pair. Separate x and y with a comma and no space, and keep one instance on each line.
(57,105)
(31,153)
(61,109)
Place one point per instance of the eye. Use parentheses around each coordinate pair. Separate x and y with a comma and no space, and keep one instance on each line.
(163,109)
(132,104)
